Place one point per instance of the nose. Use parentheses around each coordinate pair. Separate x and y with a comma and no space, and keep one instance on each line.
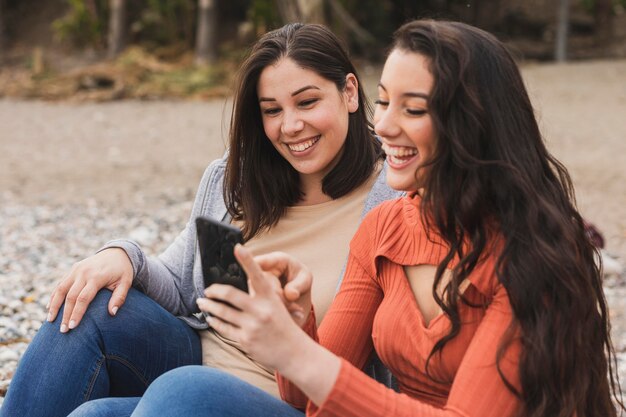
(385,123)
(292,123)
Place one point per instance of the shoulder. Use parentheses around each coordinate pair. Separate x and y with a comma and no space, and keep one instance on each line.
(210,196)
(376,225)
(380,191)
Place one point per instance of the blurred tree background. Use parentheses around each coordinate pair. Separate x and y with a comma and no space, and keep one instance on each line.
(110,49)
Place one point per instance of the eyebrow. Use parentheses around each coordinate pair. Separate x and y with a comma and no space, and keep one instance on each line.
(409,93)
(295,93)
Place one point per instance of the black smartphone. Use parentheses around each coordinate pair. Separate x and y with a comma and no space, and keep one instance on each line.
(217,241)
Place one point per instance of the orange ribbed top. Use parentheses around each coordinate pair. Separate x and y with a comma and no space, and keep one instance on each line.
(375,309)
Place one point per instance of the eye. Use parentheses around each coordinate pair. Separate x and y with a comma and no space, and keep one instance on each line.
(380,102)
(271,111)
(308,102)
(414,112)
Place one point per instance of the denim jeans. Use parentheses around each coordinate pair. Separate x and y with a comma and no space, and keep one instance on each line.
(192,391)
(104,356)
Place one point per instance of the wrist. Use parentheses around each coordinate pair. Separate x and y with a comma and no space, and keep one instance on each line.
(312,368)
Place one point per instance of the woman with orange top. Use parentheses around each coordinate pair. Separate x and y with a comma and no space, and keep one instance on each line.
(478,289)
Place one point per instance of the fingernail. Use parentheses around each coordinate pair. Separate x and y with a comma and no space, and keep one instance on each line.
(114,309)
(49,318)
(63,328)
(72,324)
(299,315)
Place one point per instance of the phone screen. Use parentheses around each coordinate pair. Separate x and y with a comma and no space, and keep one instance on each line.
(217,241)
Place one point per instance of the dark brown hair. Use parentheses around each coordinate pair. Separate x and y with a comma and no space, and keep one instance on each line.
(491,167)
(259,183)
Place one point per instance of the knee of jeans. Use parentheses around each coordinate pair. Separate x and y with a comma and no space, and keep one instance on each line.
(90,409)
(95,310)
(191,380)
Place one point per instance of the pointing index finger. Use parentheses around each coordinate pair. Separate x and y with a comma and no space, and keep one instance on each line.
(253,271)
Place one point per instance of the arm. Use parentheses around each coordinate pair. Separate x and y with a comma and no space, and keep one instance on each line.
(345,332)
(168,278)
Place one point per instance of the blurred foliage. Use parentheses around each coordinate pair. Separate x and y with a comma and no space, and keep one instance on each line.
(263,15)
(136,74)
(159,22)
(150,22)
(589,5)
(82,26)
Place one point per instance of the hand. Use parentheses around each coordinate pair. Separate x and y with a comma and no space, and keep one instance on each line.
(110,269)
(296,281)
(261,321)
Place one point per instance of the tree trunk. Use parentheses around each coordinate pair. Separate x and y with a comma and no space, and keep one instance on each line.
(206,45)
(289,11)
(562,29)
(117,27)
(312,11)
(2,36)
(603,21)
(362,36)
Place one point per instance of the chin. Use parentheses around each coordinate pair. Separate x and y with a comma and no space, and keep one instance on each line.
(401,184)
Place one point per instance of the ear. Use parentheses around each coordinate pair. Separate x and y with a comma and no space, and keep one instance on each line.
(352,92)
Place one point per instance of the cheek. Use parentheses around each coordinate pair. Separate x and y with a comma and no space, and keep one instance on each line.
(424,138)
(271,127)
(334,122)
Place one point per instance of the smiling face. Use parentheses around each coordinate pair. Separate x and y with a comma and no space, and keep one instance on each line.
(305,116)
(402,118)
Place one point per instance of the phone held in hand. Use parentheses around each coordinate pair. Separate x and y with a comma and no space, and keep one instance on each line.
(217,241)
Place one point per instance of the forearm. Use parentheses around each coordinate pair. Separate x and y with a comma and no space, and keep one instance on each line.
(312,368)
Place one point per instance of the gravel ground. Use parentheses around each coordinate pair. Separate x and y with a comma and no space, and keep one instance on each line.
(73,176)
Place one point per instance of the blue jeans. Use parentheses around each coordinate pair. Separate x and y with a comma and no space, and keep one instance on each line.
(193,391)
(104,356)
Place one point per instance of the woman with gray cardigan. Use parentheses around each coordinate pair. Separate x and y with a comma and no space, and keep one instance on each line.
(303,167)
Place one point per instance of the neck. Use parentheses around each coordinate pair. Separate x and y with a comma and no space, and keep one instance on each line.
(311,186)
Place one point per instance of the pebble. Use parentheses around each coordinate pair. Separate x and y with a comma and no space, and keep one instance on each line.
(40,244)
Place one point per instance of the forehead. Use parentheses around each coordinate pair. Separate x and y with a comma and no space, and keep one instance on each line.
(287,76)
(406,71)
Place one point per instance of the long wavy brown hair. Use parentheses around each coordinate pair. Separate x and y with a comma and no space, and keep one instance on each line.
(259,183)
(491,166)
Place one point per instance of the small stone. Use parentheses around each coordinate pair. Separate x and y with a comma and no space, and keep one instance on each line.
(7,355)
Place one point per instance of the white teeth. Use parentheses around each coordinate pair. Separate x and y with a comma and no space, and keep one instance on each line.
(399,151)
(303,146)
(396,160)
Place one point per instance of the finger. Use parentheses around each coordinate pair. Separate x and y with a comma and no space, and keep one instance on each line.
(295,310)
(289,269)
(228,294)
(118,298)
(224,329)
(220,310)
(276,263)
(253,270)
(83,300)
(70,302)
(300,284)
(56,300)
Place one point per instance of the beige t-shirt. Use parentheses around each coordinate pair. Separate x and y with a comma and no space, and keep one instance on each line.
(319,236)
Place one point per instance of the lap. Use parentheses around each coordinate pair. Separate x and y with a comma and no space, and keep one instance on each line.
(107,407)
(201,391)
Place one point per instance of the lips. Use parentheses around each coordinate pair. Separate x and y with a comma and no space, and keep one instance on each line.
(304,145)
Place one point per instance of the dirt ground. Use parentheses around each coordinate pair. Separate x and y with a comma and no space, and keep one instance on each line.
(56,153)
